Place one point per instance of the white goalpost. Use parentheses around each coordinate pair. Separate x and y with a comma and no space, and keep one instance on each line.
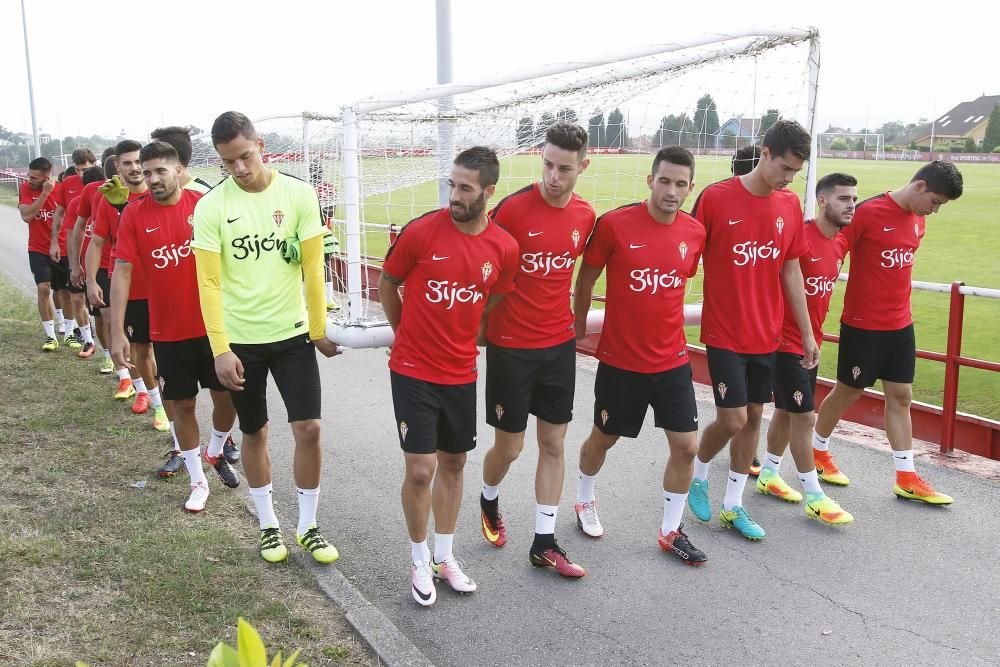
(864,142)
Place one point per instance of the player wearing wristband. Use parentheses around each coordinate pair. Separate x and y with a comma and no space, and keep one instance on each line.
(36,205)
(530,349)
(456,265)
(257,320)
(876,327)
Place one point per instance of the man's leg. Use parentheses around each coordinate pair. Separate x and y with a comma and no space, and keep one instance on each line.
(186,424)
(899,431)
(46,312)
(677,475)
(142,358)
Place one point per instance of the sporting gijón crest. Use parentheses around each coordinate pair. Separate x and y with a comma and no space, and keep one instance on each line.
(278,217)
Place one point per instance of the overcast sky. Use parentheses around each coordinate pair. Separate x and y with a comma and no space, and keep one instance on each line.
(184,62)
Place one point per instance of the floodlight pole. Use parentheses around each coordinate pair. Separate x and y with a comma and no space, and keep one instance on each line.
(446,138)
(31,89)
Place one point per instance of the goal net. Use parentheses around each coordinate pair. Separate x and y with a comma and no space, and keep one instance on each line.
(384,160)
(835,144)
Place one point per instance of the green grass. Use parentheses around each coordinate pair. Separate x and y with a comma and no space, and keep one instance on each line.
(98,571)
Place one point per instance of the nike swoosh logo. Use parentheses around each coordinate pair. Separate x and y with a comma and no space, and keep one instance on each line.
(423,596)
(438,259)
(548,514)
(535,233)
(815,259)
(150,231)
(489,533)
(888,229)
(230,220)
(735,222)
(634,246)
(731,479)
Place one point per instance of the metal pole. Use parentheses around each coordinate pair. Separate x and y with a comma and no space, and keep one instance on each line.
(31,90)
(810,198)
(446,138)
(956,315)
(352,213)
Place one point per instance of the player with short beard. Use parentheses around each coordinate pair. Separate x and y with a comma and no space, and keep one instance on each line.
(876,327)
(180,139)
(530,350)
(755,237)
(37,205)
(456,264)
(650,250)
(795,386)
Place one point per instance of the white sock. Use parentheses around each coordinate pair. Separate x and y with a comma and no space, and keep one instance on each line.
(673,510)
(140,386)
(173,434)
(904,461)
(123,374)
(60,318)
(810,482)
(701,468)
(772,462)
(70,325)
(545,519)
(154,397)
(308,501)
(192,461)
(87,335)
(821,443)
(735,484)
(265,506)
(50,328)
(490,492)
(585,492)
(329,292)
(93,330)
(217,441)
(442,547)
(419,553)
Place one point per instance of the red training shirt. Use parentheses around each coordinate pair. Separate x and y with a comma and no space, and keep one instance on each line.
(69,222)
(39,227)
(89,198)
(538,313)
(648,265)
(749,238)
(156,240)
(449,277)
(106,221)
(882,239)
(70,187)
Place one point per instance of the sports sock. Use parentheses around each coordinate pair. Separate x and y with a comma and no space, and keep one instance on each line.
(173,434)
(701,468)
(192,461)
(140,385)
(673,510)
(264,504)
(70,326)
(154,397)
(93,330)
(821,443)
(585,492)
(329,292)
(772,462)
(442,547)
(87,335)
(308,500)
(50,328)
(810,482)
(216,442)
(735,483)
(545,519)
(107,353)
(60,320)
(490,492)
(419,553)
(123,374)
(903,461)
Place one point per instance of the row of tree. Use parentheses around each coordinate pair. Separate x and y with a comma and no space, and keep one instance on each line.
(16,150)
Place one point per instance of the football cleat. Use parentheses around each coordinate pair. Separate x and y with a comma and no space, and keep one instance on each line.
(677,543)
(556,558)
(321,550)
(50,345)
(141,403)
(739,519)
(72,342)
(160,420)
(87,351)
(125,389)
(451,571)
(494,530)
(770,484)
(910,486)
(422,584)
(698,499)
(108,367)
(755,467)
(587,519)
(272,547)
(827,470)
(173,465)
(196,501)
(826,509)
(222,469)
(230,450)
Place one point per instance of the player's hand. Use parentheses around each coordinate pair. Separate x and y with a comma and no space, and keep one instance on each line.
(327,347)
(810,353)
(114,191)
(96,295)
(76,276)
(121,351)
(330,243)
(229,370)
(54,250)
(48,186)
(580,326)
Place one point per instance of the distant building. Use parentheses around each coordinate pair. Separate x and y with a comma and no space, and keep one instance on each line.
(965,121)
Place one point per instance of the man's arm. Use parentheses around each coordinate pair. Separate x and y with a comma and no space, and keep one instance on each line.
(73,242)
(228,366)
(121,283)
(388,296)
(583,294)
(93,263)
(795,295)
(57,221)
(29,211)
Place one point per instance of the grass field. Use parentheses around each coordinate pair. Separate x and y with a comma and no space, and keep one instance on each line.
(962,243)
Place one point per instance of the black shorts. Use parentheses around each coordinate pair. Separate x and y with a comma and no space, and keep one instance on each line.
(867,355)
(738,379)
(64,269)
(432,417)
(104,282)
(622,397)
(60,274)
(537,381)
(41,267)
(183,365)
(293,365)
(137,321)
(794,386)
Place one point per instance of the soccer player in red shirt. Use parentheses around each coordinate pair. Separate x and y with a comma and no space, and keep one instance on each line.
(795,386)
(755,237)
(876,327)
(456,264)
(78,233)
(36,205)
(155,234)
(650,250)
(531,350)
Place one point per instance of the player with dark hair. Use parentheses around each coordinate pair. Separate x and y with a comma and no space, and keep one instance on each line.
(650,250)
(256,236)
(180,139)
(755,238)
(745,160)
(795,386)
(37,205)
(530,349)
(456,264)
(876,328)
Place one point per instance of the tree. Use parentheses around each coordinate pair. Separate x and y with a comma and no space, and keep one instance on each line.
(706,118)
(891,131)
(525,132)
(839,145)
(970,146)
(617,133)
(770,118)
(544,123)
(992,138)
(672,129)
(595,130)
(566,115)
(859,145)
